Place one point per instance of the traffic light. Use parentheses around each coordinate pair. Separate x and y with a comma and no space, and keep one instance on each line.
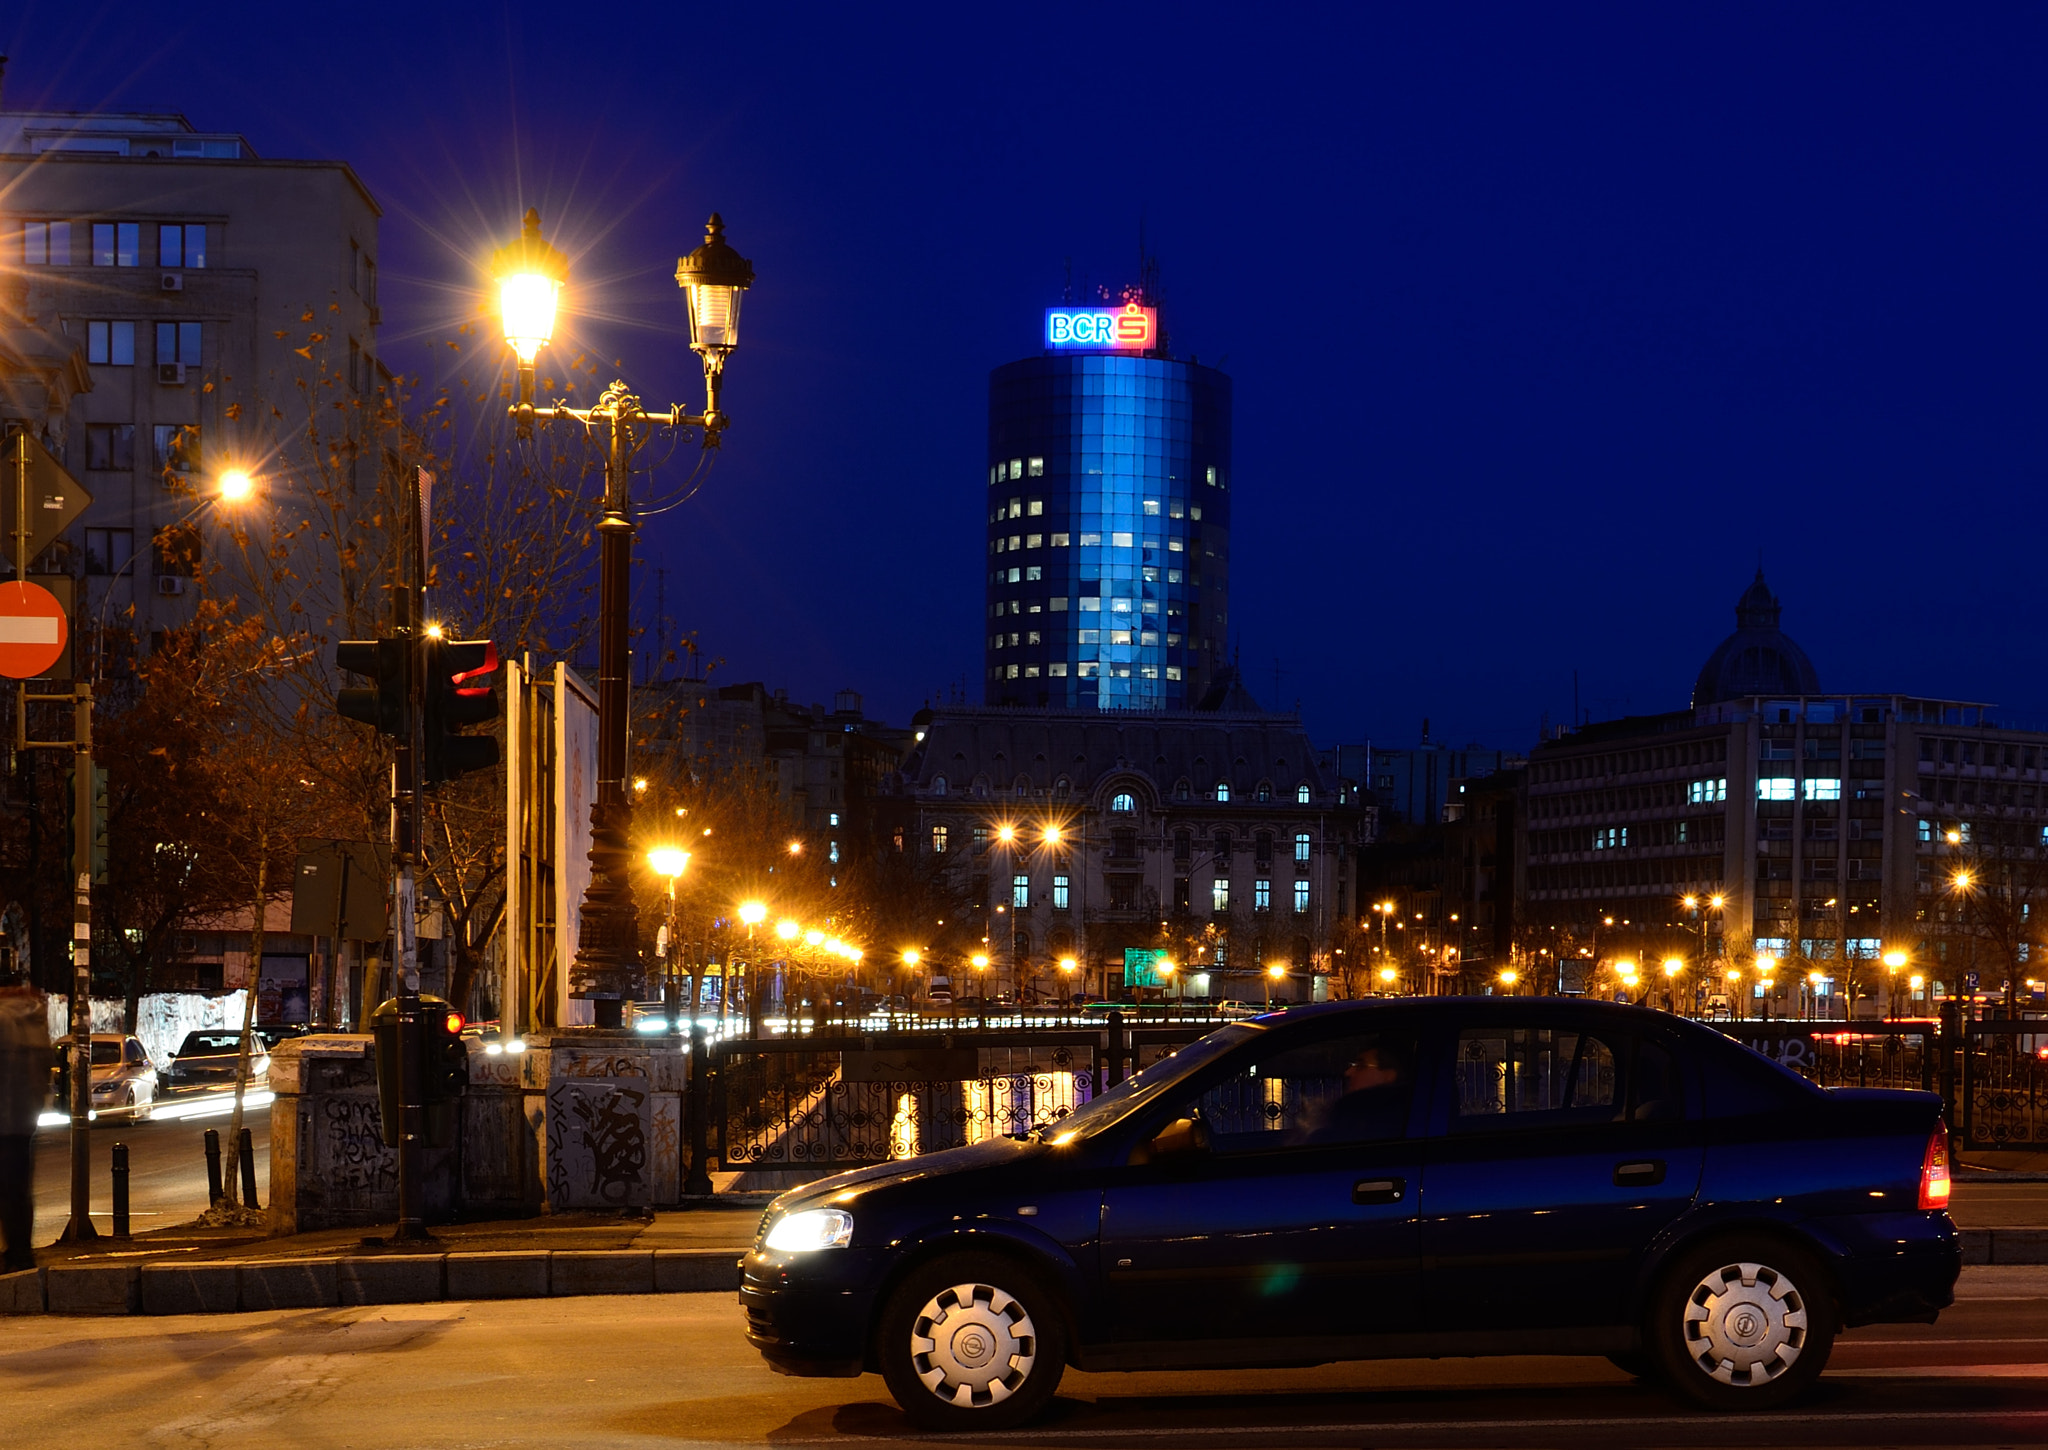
(97,822)
(459,692)
(445,1068)
(383,703)
(99,825)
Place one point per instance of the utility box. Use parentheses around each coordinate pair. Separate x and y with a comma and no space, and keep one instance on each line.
(439,1058)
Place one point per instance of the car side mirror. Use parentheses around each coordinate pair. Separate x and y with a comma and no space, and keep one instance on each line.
(1182,1138)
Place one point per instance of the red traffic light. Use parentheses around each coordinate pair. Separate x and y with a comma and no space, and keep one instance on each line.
(453,1023)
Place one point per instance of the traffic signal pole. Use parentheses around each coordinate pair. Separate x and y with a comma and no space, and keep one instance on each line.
(405,819)
(80,1227)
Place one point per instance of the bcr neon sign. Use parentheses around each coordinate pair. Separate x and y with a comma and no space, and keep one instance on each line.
(1123,329)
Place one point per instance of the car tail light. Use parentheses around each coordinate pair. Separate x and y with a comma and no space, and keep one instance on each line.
(454,1024)
(1934,1180)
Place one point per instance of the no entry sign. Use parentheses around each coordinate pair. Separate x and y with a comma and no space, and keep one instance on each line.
(32,630)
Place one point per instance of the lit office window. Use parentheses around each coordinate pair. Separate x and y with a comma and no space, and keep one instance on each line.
(1776,788)
(1262,894)
(1301,844)
(1823,788)
(1219,895)
(1059,893)
(1020,891)
(1301,795)
(939,837)
(1301,898)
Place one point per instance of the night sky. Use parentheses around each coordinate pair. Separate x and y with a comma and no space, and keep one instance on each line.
(1545,321)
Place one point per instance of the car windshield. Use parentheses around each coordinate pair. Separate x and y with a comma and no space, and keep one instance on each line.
(1142,1087)
(198,1044)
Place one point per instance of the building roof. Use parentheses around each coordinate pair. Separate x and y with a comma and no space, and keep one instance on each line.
(1759,658)
(1075,750)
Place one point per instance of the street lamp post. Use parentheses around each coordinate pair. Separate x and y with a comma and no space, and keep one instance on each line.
(1893,961)
(669,862)
(530,276)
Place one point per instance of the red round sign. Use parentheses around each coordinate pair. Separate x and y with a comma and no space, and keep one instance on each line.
(32,630)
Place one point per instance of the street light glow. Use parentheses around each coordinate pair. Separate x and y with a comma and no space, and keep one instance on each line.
(530,274)
(236,485)
(1673,966)
(980,960)
(1006,833)
(1895,959)
(1052,835)
(753,913)
(1068,964)
(787,929)
(668,861)
(1509,977)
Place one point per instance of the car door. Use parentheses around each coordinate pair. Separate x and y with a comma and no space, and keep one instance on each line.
(1562,1147)
(1298,1219)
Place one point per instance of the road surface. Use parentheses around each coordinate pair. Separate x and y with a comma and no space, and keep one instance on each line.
(166,1164)
(674,1370)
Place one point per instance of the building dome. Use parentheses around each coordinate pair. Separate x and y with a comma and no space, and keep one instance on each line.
(1758,659)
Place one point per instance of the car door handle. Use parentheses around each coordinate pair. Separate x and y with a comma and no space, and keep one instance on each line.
(1379,1190)
(1642,1173)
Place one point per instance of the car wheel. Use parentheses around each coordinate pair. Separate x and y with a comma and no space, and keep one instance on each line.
(970,1342)
(1742,1325)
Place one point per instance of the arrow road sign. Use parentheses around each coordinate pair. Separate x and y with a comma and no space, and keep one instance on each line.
(55,498)
(32,630)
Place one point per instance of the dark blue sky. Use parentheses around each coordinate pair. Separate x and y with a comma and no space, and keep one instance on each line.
(1545,320)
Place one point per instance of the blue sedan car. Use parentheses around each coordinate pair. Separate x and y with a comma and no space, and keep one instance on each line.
(1389,1179)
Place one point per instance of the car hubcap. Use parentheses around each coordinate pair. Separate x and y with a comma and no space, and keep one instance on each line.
(973,1344)
(1745,1324)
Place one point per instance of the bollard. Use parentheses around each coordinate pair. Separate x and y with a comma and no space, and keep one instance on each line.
(120,1190)
(246,1151)
(214,1192)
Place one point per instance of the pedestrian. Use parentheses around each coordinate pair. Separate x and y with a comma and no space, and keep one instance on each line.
(24,1091)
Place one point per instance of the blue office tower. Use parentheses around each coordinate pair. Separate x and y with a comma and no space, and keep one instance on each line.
(1109,520)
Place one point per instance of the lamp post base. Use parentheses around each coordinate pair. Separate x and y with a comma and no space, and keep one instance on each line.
(607,970)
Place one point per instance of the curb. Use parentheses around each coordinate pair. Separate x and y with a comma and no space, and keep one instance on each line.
(332,1283)
(2004,1245)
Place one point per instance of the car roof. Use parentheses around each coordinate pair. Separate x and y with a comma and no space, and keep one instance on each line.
(1454,1008)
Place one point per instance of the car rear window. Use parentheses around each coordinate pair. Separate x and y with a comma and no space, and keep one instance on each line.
(1740,1082)
(104,1053)
(198,1044)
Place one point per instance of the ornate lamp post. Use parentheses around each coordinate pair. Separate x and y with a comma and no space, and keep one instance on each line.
(530,275)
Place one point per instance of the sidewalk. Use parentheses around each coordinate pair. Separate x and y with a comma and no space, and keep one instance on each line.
(191,1270)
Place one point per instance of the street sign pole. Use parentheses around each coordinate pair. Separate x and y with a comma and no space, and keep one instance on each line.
(80,1228)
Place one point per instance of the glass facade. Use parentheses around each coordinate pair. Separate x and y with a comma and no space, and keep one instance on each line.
(1108,531)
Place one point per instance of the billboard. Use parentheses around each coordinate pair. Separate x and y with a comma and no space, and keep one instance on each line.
(1129,328)
(1141,968)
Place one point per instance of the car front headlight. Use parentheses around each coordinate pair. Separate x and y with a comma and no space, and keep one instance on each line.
(813,1228)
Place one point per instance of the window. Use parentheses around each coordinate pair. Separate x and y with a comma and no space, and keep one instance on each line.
(1173,671)
(1222,791)
(1020,891)
(1032,572)
(1034,508)
(1219,896)
(938,785)
(1706,792)
(980,836)
(107,551)
(181,245)
(1220,845)
(1183,845)
(1032,541)
(1119,540)
(1351,1089)
(1301,844)
(1775,788)
(1016,468)
(110,445)
(1610,838)
(1123,801)
(1059,541)
(1301,898)
(1262,894)
(174,447)
(46,244)
(1035,467)
(1090,539)
(178,342)
(832,818)
(1091,605)
(116,244)
(177,552)
(1059,893)
(1823,788)
(1522,1077)
(1301,795)
(1059,605)
(938,840)
(111,343)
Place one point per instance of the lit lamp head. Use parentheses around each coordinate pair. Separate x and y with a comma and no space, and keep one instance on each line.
(1006,833)
(236,485)
(912,957)
(1509,977)
(787,929)
(753,913)
(1276,971)
(712,278)
(530,275)
(1387,975)
(1052,835)
(1673,966)
(980,960)
(668,861)
(812,938)
(1894,959)
(1068,964)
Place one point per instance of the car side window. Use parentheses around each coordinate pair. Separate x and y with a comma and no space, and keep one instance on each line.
(1655,1088)
(1350,1089)
(1532,1077)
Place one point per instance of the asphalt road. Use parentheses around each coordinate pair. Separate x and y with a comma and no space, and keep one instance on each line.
(166,1164)
(675,1371)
